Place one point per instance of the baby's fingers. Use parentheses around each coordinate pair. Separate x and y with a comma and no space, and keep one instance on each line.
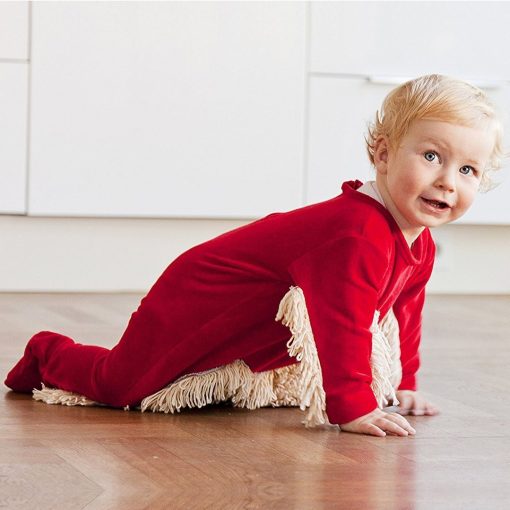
(396,424)
(391,428)
(400,420)
(372,430)
(378,423)
(431,410)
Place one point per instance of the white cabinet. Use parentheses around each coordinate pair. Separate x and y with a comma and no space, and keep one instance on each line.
(155,109)
(13,106)
(196,109)
(339,111)
(14,30)
(465,39)
(13,137)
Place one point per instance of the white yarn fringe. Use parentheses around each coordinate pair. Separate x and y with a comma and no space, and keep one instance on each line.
(311,396)
(390,330)
(299,384)
(65,398)
(381,360)
(234,381)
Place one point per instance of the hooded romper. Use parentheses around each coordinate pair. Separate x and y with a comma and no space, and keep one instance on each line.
(216,303)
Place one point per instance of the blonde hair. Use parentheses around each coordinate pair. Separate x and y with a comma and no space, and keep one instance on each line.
(437,97)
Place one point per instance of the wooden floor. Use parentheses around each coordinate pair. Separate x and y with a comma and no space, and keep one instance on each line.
(219,457)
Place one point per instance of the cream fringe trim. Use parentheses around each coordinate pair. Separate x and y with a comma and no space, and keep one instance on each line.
(234,381)
(299,384)
(381,364)
(65,398)
(390,330)
(312,398)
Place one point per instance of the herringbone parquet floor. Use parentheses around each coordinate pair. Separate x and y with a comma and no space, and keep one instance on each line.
(55,457)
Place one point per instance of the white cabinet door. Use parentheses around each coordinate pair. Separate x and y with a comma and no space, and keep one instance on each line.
(13,137)
(14,30)
(155,109)
(465,39)
(339,112)
(340,109)
(13,105)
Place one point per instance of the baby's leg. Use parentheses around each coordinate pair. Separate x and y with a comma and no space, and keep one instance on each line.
(136,367)
(57,361)
(26,374)
(141,363)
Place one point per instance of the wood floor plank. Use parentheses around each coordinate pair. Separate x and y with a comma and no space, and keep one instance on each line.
(128,470)
(219,457)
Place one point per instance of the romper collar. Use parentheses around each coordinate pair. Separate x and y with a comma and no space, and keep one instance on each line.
(414,255)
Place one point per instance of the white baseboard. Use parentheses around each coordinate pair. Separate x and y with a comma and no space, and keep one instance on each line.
(128,255)
(94,254)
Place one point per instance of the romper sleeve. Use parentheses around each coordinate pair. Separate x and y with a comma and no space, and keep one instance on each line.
(408,310)
(341,282)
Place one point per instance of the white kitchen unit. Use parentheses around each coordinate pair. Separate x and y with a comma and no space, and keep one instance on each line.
(14,18)
(167,109)
(13,137)
(13,106)
(407,39)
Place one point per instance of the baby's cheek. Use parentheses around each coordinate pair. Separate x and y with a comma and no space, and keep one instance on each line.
(471,195)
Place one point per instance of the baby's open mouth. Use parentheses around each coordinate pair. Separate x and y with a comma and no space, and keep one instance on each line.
(438,204)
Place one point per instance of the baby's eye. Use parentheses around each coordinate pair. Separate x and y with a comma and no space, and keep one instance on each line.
(466,170)
(430,155)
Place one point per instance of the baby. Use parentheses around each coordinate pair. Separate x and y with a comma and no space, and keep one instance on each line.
(347,276)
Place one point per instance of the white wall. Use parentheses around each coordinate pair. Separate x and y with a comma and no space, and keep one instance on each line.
(84,254)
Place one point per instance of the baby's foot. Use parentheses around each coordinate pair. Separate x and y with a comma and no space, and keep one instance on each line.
(25,376)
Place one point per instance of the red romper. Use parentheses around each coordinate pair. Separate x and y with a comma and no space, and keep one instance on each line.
(216,303)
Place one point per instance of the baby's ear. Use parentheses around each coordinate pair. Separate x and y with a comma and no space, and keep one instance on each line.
(381,149)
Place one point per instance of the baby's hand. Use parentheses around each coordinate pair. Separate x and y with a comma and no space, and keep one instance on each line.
(378,423)
(412,402)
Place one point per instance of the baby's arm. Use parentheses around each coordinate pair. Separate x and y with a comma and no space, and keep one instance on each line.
(341,282)
(379,423)
(413,402)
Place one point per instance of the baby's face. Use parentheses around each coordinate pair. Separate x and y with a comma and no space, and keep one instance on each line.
(433,176)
